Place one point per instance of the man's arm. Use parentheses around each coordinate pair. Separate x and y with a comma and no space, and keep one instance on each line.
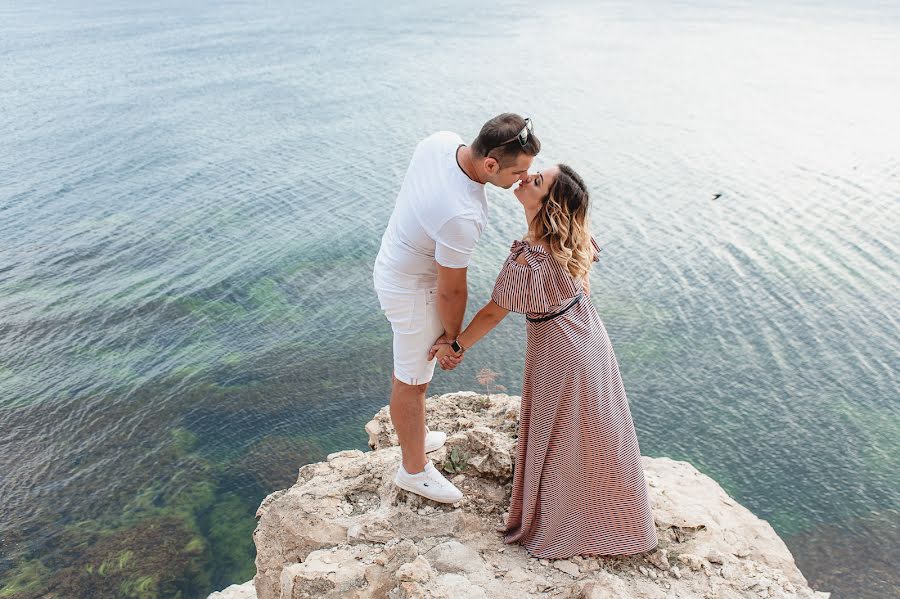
(452,294)
(454,244)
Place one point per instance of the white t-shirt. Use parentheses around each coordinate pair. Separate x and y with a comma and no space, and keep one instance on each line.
(439,215)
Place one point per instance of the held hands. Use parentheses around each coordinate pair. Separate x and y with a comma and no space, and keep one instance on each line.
(442,340)
(447,358)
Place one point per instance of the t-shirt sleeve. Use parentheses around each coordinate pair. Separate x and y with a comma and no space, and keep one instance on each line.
(537,287)
(455,242)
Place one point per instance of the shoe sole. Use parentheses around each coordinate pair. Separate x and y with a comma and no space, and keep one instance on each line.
(427,450)
(399,484)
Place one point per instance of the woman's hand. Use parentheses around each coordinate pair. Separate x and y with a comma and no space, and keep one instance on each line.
(446,357)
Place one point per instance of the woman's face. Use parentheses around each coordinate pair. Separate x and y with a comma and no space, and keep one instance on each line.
(531,191)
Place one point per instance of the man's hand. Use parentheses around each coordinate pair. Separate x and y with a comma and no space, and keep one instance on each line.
(442,340)
(447,358)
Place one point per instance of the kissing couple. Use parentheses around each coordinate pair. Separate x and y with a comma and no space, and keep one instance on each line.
(578,485)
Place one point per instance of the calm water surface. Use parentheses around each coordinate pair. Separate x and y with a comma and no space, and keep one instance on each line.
(192,198)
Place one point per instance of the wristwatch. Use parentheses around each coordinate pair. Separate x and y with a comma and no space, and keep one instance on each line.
(456,347)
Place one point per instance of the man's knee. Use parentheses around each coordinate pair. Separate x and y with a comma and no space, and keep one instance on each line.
(403,388)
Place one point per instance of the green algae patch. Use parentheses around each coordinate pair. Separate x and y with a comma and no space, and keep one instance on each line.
(143,587)
(272,462)
(183,440)
(146,561)
(195,545)
(26,579)
(229,528)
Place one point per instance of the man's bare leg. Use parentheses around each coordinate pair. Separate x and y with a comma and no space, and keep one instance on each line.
(408,415)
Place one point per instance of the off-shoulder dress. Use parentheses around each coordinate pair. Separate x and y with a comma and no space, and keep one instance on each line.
(578,485)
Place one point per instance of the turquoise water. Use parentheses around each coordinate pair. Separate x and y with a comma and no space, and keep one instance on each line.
(192,199)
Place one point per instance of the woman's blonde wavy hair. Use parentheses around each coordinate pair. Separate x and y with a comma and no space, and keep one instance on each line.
(562,223)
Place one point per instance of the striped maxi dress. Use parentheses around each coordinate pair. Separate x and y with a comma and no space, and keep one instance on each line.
(578,486)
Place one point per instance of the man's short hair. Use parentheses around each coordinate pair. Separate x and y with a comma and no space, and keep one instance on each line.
(504,128)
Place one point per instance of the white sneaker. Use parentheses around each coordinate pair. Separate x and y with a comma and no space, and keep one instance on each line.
(429,483)
(434,440)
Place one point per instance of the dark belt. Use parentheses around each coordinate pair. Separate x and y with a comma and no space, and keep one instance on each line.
(555,314)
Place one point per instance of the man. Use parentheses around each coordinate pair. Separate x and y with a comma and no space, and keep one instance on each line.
(420,271)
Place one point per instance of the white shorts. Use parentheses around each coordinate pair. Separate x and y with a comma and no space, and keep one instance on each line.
(416,324)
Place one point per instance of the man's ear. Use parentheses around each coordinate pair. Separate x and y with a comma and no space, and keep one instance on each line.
(491,165)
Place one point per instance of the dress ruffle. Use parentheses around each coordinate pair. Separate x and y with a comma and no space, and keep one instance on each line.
(537,287)
(596,250)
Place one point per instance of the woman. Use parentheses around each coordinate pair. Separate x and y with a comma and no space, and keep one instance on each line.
(578,485)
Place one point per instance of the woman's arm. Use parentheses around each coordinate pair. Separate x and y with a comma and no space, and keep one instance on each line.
(486,319)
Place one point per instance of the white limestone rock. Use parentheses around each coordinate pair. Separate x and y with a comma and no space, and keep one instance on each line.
(236,591)
(345,530)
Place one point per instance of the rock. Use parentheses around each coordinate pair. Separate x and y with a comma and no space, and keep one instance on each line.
(344,530)
(453,586)
(348,453)
(453,556)
(659,558)
(692,561)
(729,571)
(373,428)
(605,586)
(412,590)
(490,454)
(517,575)
(566,566)
(418,570)
(761,583)
(236,591)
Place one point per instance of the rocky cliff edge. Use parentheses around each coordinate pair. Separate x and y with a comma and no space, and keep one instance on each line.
(345,531)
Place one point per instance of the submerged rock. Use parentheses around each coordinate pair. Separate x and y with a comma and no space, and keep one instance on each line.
(345,531)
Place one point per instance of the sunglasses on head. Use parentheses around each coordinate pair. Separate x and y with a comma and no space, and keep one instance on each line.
(522,135)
